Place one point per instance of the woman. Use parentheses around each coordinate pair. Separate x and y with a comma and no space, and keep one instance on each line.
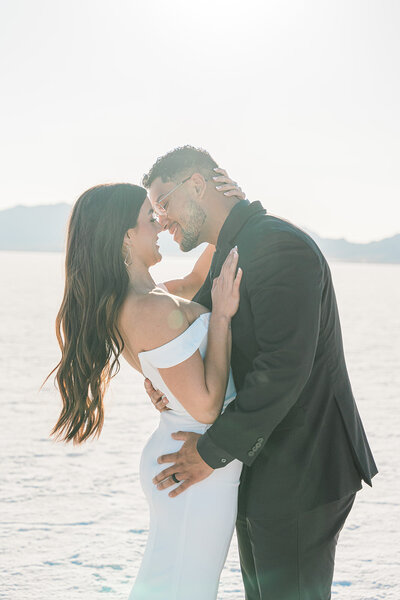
(112,306)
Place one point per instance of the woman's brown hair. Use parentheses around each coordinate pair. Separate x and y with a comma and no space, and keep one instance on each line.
(96,283)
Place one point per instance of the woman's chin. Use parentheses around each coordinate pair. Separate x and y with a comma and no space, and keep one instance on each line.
(157,256)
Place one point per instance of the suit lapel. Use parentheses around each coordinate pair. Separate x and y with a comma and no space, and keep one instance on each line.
(218,260)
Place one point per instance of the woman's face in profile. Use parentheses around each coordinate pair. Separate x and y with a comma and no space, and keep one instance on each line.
(145,235)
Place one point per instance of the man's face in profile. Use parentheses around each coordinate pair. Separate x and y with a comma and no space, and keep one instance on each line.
(178,211)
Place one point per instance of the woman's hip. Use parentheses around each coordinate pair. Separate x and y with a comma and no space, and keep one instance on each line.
(161,443)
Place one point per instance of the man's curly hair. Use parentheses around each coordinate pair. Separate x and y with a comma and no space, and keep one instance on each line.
(180,161)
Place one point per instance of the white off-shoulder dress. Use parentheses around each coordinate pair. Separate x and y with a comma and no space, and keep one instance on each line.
(189,535)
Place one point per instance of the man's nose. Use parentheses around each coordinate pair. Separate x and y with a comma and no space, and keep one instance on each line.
(163,222)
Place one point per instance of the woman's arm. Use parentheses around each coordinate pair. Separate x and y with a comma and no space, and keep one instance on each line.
(188,286)
(199,386)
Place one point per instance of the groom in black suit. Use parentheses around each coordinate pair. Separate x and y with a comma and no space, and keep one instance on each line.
(294,422)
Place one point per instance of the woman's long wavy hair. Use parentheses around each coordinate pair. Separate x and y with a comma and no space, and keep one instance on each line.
(96,283)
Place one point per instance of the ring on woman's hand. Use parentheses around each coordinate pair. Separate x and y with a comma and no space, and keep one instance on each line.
(173,476)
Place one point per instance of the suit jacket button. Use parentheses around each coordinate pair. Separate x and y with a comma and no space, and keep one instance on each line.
(250,453)
(223,460)
(260,440)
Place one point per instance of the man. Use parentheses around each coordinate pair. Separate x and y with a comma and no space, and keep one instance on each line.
(294,422)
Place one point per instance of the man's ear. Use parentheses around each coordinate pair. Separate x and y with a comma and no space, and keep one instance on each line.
(200,184)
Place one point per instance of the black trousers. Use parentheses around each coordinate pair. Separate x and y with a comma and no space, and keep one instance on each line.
(291,558)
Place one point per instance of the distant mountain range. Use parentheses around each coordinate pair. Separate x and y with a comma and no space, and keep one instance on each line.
(43,228)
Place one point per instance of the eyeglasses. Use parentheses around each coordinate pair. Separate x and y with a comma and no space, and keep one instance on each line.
(159,205)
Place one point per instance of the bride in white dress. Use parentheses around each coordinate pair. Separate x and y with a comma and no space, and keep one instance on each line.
(189,535)
(112,306)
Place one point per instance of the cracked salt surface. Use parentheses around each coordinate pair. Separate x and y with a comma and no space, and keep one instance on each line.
(73,521)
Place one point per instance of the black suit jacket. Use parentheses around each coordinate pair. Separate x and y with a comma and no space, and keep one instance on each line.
(294,422)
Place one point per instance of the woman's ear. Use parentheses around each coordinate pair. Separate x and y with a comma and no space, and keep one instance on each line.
(128,237)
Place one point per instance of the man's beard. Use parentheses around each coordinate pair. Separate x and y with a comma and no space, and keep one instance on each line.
(195,217)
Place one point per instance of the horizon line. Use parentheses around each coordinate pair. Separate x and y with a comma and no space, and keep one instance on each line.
(306,229)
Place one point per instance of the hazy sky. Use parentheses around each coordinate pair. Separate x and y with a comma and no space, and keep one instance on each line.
(298,100)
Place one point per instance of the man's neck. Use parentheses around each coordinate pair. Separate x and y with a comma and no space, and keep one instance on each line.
(216,218)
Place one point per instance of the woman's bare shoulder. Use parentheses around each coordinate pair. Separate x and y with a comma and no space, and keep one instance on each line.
(154,319)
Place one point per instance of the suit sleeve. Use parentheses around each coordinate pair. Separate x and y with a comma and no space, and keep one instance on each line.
(284,285)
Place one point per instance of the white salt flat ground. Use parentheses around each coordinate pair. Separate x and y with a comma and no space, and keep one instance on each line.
(73,521)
